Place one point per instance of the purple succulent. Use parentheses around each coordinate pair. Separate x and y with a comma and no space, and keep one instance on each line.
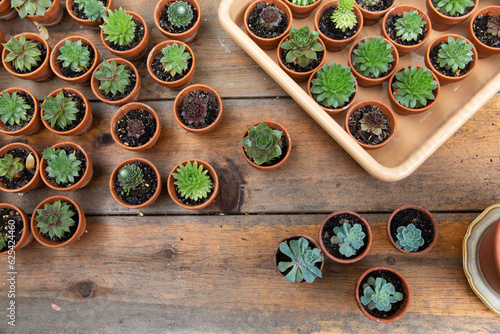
(270,17)
(374,122)
(194,110)
(135,128)
(493,25)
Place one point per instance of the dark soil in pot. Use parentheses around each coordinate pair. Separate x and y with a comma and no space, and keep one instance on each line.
(127,91)
(80,105)
(391,31)
(255,26)
(466,11)
(132,140)
(72,229)
(167,26)
(39,63)
(144,191)
(190,201)
(381,75)
(29,113)
(80,13)
(283,143)
(327,27)
(433,55)
(23,177)
(161,74)
(364,136)
(68,72)
(382,5)
(296,68)
(339,221)
(280,257)
(138,36)
(480,30)
(83,166)
(417,218)
(213,108)
(7,215)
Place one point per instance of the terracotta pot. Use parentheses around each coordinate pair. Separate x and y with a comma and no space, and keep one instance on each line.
(26,236)
(2,40)
(33,126)
(87,174)
(313,244)
(336,44)
(136,52)
(328,110)
(369,82)
(82,222)
(300,12)
(53,15)
(84,126)
(36,181)
(402,110)
(367,240)
(400,10)
(173,194)
(132,97)
(443,79)
(298,76)
(114,175)
(6,12)
(432,221)
(275,126)
(370,18)
(385,110)
(268,43)
(406,295)
(483,50)
(177,84)
(180,97)
(87,22)
(441,22)
(121,112)
(187,36)
(54,62)
(489,256)
(43,73)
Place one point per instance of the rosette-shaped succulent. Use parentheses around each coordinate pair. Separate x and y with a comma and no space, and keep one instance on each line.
(452,7)
(22,53)
(13,108)
(175,59)
(413,88)
(333,86)
(59,110)
(493,25)
(119,27)
(129,177)
(374,122)
(350,238)
(10,166)
(455,54)
(113,78)
(192,181)
(55,219)
(379,294)
(93,9)
(372,56)
(262,143)
(303,261)
(61,166)
(409,26)
(180,13)
(194,110)
(409,238)
(135,128)
(302,46)
(270,17)
(74,55)
(31,7)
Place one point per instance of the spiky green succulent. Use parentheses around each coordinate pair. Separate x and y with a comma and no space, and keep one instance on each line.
(10,166)
(414,88)
(455,54)
(344,17)
(180,13)
(129,177)
(303,259)
(175,59)
(377,293)
(112,78)
(118,27)
(74,55)
(349,237)
(333,86)
(302,2)
(55,219)
(409,26)
(452,7)
(13,108)
(31,7)
(373,122)
(409,238)
(59,110)
(193,181)
(373,56)
(302,46)
(262,143)
(93,9)
(22,53)
(61,166)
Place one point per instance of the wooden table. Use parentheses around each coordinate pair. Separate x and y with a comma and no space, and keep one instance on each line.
(212,270)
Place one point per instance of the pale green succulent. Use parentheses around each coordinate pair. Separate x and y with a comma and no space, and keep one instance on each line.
(409,238)
(409,26)
(64,168)
(175,59)
(377,293)
(113,78)
(22,53)
(93,9)
(13,108)
(373,56)
(74,55)
(452,7)
(303,259)
(119,28)
(10,166)
(333,86)
(414,88)
(31,7)
(180,13)
(455,54)
(350,238)
(344,17)
(59,110)
(302,2)
(193,181)
(262,143)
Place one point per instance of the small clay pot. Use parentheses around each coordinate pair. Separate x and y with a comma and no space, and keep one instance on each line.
(268,43)
(441,22)
(134,94)
(313,244)
(114,175)
(136,52)
(54,62)
(401,109)
(84,126)
(275,126)
(443,79)
(489,256)
(87,174)
(299,76)
(43,73)
(7,13)
(82,222)
(87,22)
(367,240)
(177,84)
(483,50)
(121,112)
(187,36)
(385,110)
(370,82)
(36,181)
(301,12)
(26,236)
(52,17)
(370,18)
(33,126)
(336,44)
(426,213)
(400,10)
(406,295)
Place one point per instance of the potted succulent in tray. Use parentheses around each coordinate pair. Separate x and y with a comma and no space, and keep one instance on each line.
(444,14)
(89,13)
(484,31)
(15,231)
(302,8)
(19,112)
(45,12)
(19,168)
(374,10)
(178,19)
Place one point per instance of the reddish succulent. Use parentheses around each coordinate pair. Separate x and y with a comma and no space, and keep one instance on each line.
(194,110)
(135,128)
(270,17)
(493,25)
(374,122)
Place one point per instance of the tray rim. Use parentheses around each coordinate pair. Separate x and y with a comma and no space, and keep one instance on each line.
(336,131)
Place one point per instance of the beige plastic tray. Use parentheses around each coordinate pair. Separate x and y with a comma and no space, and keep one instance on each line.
(417,136)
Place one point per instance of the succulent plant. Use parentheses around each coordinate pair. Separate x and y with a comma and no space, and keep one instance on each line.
(10,166)
(135,128)
(302,46)
(262,143)
(93,9)
(414,88)
(452,7)
(129,177)
(180,13)
(409,238)
(373,122)
(74,55)
(31,7)
(175,59)
(302,2)
(55,219)
(59,110)
(118,27)
(372,56)
(333,85)
(344,17)
(350,238)
(303,261)
(194,110)
(64,168)
(113,78)
(377,293)
(13,108)
(409,26)
(270,17)
(3,242)
(455,54)
(493,25)
(23,54)
(192,181)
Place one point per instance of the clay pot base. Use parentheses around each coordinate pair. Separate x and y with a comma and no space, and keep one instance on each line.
(25,176)
(327,27)
(433,57)
(29,113)
(479,28)
(68,72)
(142,193)
(391,32)
(165,24)
(7,215)
(80,14)
(83,167)
(256,28)
(417,218)
(138,36)
(72,229)
(363,136)
(160,73)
